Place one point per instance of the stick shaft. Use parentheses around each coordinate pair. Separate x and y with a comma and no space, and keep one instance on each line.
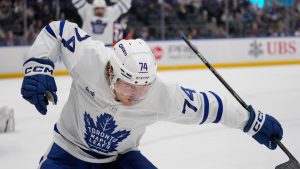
(214,71)
(235,95)
(283,148)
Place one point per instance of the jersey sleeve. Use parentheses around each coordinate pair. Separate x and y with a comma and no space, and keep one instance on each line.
(82,7)
(121,7)
(60,38)
(192,107)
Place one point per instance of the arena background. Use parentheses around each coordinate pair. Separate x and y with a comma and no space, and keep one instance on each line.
(228,32)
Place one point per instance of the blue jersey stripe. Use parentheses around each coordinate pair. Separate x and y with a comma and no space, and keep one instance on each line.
(220,108)
(120,8)
(81,6)
(77,2)
(56,129)
(49,30)
(125,6)
(61,27)
(206,107)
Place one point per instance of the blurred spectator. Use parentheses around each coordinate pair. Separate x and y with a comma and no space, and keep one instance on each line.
(255,31)
(30,15)
(274,13)
(38,25)
(297,32)
(197,18)
(183,10)
(17,28)
(280,30)
(2,34)
(193,33)
(18,8)
(219,32)
(6,14)
(9,39)
(30,35)
(214,9)
(129,33)
(144,34)
(246,16)
(271,31)
(237,25)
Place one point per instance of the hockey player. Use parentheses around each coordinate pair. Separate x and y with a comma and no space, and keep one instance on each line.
(98,19)
(115,94)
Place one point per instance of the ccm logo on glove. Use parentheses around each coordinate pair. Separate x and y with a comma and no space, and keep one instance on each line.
(34,68)
(258,119)
(257,124)
(38,69)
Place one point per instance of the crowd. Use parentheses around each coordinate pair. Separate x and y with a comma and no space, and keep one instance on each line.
(20,24)
(197,18)
(219,18)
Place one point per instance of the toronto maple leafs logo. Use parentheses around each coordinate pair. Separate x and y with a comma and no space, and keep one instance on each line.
(102,135)
(98,26)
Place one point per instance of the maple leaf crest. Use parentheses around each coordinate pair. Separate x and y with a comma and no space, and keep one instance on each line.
(101,136)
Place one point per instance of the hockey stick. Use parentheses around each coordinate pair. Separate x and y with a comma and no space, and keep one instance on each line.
(292,163)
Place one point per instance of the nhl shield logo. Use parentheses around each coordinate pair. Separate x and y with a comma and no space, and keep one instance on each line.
(101,136)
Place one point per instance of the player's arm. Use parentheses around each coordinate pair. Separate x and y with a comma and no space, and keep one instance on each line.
(121,7)
(209,107)
(59,38)
(82,7)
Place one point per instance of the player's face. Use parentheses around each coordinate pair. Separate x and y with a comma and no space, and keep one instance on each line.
(100,12)
(130,94)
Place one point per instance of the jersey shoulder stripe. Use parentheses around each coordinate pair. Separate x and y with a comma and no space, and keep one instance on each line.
(124,5)
(49,30)
(61,27)
(76,2)
(120,8)
(79,4)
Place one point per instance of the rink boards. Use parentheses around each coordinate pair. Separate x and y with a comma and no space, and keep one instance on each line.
(175,54)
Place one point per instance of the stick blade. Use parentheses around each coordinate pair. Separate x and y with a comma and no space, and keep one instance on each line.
(291,164)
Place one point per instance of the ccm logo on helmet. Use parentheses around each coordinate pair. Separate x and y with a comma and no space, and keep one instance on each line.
(142,78)
(123,49)
(38,69)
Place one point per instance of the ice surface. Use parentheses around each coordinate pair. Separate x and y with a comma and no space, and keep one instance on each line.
(273,90)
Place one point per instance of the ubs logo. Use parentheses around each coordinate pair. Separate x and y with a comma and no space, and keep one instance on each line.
(256,49)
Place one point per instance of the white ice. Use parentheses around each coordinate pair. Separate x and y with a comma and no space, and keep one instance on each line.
(273,90)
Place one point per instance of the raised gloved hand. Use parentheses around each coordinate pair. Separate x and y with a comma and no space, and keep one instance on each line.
(262,127)
(38,84)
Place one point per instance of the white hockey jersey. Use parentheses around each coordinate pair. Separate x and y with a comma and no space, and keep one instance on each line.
(101,28)
(93,126)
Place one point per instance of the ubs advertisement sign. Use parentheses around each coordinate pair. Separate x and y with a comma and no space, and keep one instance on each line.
(227,51)
(180,52)
(177,53)
(173,53)
(273,47)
